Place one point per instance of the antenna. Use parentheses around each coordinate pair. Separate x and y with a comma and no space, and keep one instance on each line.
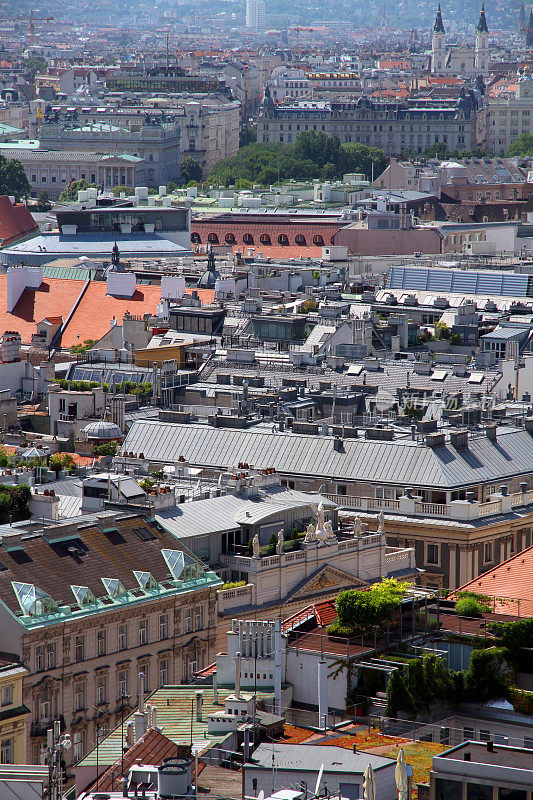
(319,779)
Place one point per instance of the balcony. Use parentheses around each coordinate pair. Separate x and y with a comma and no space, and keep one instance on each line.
(461,510)
(41,726)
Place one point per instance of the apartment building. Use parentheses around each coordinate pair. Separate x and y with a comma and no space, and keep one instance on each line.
(393,127)
(507,113)
(14,714)
(464,502)
(87,606)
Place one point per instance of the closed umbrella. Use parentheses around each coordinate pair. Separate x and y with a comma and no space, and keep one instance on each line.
(369,784)
(402,782)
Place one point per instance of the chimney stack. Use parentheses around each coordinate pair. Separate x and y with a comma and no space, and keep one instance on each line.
(199,703)
(237,675)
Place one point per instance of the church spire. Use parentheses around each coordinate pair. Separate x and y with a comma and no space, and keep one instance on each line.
(482,26)
(438,27)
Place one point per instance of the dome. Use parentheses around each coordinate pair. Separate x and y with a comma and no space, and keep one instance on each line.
(210,276)
(102,430)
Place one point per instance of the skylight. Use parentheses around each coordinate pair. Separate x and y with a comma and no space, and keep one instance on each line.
(83,595)
(175,562)
(32,600)
(145,579)
(113,587)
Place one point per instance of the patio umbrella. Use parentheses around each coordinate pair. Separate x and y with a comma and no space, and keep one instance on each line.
(369,784)
(402,782)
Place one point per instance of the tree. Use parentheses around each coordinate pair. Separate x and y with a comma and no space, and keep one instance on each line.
(71,192)
(523,146)
(190,169)
(13,179)
(43,202)
(361,610)
(483,679)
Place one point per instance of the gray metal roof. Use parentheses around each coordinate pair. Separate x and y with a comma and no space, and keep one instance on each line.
(228,512)
(401,462)
(302,757)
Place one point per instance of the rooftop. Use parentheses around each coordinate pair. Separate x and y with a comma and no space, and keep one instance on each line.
(307,757)
(402,461)
(81,569)
(510,580)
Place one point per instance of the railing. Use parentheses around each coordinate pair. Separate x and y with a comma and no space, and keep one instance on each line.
(433,509)
(486,509)
(522,498)
(364,503)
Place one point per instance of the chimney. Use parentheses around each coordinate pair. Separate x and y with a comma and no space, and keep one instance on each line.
(490,747)
(154,716)
(322,695)
(199,704)
(129,734)
(491,432)
(237,675)
(503,490)
(215,688)
(528,424)
(277,667)
(459,439)
(141,692)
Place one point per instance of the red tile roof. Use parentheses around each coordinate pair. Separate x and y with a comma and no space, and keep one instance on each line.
(56,297)
(151,749)
(510,584)
(16,222)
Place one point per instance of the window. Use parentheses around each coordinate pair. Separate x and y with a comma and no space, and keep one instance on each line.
(484,736)
(248,238)
(213,238)
(163,626)
(50,655)
(432,554)
(300,239)
(122,683)
(468,734)
(488,551)
(143,631)
(101,643)
(283,239)
(79,695)
(7,751)
(44,708)
(79,648)
(122,637)
(163,672)
(78,745)
(7,695)
(198,618)
(318,240)
(342,489)
(192,667)
(445,736)
(188,620)
(265,238)
(230,238)
(100,689)
(39,658)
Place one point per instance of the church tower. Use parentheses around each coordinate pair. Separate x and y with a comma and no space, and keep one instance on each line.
(481,58)
(438,45)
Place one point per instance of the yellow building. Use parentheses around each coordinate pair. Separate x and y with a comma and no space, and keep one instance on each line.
(13,714)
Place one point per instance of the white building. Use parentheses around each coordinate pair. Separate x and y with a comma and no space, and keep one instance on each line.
(255,15)
(463,60)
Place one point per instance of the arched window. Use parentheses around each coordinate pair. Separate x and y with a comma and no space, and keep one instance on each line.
(318,240)
(332,240)
(230,238)
(196,238)
(213,238)
(248,238)
(300,239)
(283,239)
(264,238)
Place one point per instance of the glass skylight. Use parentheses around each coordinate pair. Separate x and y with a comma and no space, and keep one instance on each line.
(113,587)
(83,595)
(32,600)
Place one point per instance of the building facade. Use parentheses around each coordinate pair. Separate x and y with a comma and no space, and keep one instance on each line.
(155,141)
(91,607)
(14,715)
(463,60)
(393,127)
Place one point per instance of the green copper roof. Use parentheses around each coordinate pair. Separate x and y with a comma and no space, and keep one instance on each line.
(175,708)
(482,24)
(438,27)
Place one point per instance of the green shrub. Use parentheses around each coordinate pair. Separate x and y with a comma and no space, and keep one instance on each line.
(338,629)
(105,449)
(468,607)
(361,610)
(483,679)
(233,584)
(515,637)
